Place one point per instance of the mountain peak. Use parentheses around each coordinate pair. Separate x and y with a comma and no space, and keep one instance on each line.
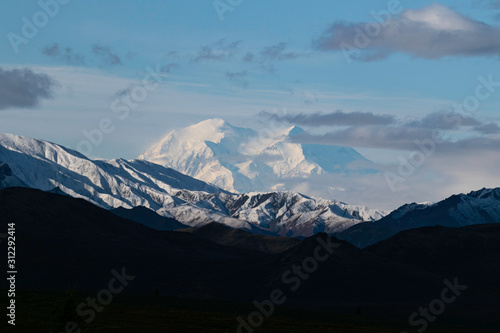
(214,123)
(244,160)
(484,193)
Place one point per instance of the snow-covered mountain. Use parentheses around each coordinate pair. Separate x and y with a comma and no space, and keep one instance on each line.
(478,207)
(7,178)
(243,160)
(291,214)
(121,183)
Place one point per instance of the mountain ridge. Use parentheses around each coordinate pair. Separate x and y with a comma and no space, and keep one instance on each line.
(458,210)
(171,194)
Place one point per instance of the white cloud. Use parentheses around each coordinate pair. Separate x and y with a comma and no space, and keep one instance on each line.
(432,32)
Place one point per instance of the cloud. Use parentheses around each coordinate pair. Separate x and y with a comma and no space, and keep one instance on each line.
(221,50)
(309,98)
(363,131)
(65,54)
(238,78)
(444,121)
(125,92)
(108,58)
(171,54)
(401,138)
(378,137)
(268,56)
(249,57)
(432,32)
(487,129)
(472,145)
(337,118)
(277,53)
(23,88)
(271,54)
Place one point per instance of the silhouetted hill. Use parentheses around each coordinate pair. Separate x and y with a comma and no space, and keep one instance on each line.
(149,218)
(65,243)
(223,235)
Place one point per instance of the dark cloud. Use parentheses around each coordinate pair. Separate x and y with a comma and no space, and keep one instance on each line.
(445,121)
(432,32)
(171,54)
(469,146)
(277,53)
(238,78)
(364,131)
(488,129)
(125,92)
(337,118)
(23,88)
(221,50)
(65,54)
(380,137)
(249,57)
(108,57)
(400,138)
(271,54)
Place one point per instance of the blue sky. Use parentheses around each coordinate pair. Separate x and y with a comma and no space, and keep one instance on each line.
(264,57)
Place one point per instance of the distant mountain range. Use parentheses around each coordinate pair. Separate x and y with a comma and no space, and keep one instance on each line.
(244,160)
(478,207)
(70,243)
(192,202)
(184,238)
(166,199)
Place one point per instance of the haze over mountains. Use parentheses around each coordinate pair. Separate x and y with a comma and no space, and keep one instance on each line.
(244,160)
